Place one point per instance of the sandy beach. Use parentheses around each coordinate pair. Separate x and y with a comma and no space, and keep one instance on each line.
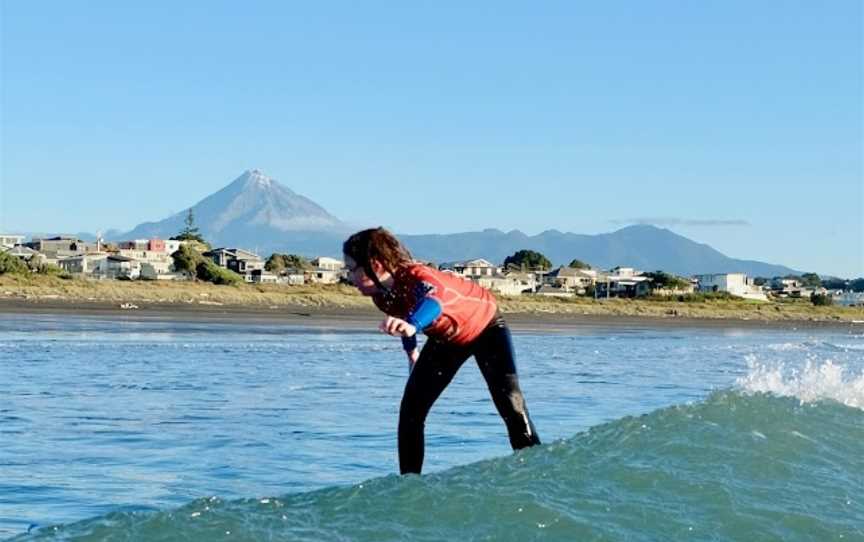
(359,318)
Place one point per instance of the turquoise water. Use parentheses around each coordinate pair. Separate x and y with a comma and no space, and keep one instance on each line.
(124,430)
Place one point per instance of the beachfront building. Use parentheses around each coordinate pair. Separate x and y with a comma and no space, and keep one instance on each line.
(242,262)
(326,270)
(504,285)
(82,264)
(526,280)
(622,282)
(555,290)
(119,267)
(26,254)
(149,245)
(9,240)
(172,245)
(789,287)
(260,276)
(331,264)
(324,276)
(574,280)
(682,289)
(160,262)
(472,269)
(292,276)
(737,284)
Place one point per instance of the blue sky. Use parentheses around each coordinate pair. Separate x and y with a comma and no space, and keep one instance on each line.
(737,124)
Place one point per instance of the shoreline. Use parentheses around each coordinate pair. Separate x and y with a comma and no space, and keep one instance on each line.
(357,318)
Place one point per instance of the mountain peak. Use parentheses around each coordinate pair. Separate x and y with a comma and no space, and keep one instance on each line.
(253,178)
(250,209)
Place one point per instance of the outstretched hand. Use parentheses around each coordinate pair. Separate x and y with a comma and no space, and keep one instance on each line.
(397,327)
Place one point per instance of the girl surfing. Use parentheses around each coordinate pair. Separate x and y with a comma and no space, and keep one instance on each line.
(460,319)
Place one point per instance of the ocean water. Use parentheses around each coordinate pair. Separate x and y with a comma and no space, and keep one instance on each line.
(161,430)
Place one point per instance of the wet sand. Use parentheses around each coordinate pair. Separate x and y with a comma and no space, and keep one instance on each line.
(367,318)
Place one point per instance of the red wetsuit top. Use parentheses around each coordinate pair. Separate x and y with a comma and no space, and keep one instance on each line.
(466,307)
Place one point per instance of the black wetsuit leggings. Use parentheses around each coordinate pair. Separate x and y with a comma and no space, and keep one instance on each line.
(436,367)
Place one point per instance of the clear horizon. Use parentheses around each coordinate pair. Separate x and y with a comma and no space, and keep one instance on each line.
(737,125)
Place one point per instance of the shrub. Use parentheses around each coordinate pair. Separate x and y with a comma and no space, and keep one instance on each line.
(12,265)
(821,300)
(50,270)
(697,297)
(211,272)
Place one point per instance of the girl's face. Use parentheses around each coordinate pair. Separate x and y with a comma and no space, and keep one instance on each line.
(361,280)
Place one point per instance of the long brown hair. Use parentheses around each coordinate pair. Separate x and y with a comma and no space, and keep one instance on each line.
(380,245)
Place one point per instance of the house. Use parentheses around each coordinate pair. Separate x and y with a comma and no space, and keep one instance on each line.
(326,270)
(160,262)
(60,246)
(472,268)
(324,276)
(551,290)
(527,281)
(83,264)
(791,287)
(330,264)
(576,280)
(9,241)
(737,284)
(503,285)
(152,245)
(684,289)
(292,277)
(23,253)
(119,267)
(242,262)
(171,246)
(260,276)
(621,282)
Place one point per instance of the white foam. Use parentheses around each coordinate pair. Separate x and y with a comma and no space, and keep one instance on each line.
(815,382)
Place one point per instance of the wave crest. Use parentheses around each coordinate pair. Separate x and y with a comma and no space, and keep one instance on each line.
(813,382)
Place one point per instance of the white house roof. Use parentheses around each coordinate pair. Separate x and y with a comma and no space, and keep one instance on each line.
(570,272)
(19,250)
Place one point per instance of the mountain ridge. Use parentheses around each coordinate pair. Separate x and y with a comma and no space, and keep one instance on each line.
(258,213)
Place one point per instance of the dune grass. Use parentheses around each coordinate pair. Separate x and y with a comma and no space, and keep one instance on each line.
(36,288)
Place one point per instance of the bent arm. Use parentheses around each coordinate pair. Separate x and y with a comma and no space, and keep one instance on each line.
(426,312)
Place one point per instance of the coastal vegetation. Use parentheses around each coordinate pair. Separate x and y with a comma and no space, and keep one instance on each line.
(527,259)
(36,289)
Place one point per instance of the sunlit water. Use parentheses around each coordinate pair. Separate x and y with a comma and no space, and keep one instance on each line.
(125,430)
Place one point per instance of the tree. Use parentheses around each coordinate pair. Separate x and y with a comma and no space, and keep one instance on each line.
(578,264)
(190,232)
(528,259)
(186,259)
(277,262)
(810,280)
(821,300)
(857,285)
(661,279)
